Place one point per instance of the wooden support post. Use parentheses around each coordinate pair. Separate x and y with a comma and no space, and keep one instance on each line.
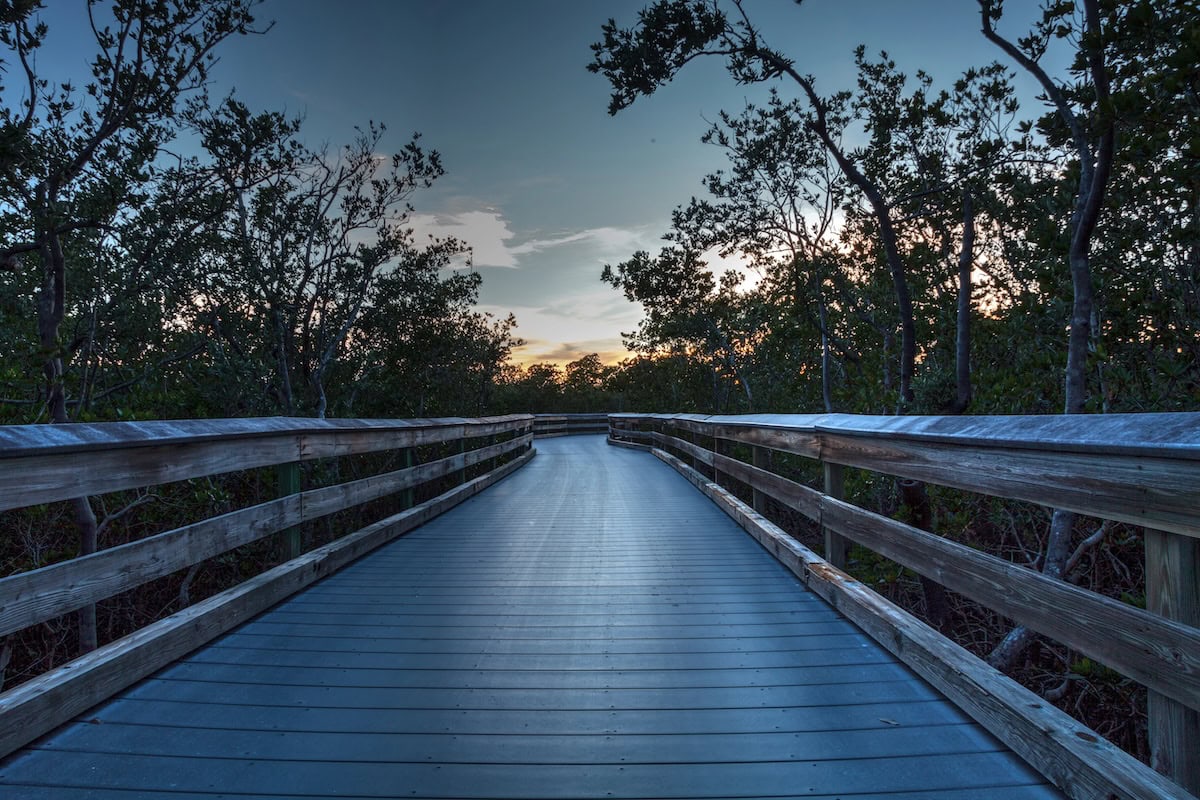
(1173,591)
(408,496)
(462,450)
(835,487)
(760,459)
(288,480)
(719,448)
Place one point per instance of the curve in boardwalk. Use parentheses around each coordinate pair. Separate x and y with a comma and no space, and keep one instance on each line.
(590,627)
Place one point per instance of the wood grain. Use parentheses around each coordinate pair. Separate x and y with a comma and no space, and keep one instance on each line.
(1161,654)
(1137,468)
(1173,590)
(1079,761)
(44,463)
(1157,652)
(38,706)
(32,597)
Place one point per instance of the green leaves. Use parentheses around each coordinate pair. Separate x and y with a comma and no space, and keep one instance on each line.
(669,34)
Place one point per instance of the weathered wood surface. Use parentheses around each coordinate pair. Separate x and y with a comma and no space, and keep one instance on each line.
(545,425)
(1162,654)
(1079,761)
(38,706)
(44,463)
(1137,468)
(1173,590)
(32,597)
(631,642)
(836,546)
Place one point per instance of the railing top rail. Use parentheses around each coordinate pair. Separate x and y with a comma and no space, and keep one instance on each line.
(1173,435)
(27,440)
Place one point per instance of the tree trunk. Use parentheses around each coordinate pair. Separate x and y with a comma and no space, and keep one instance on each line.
(51,311)
(1095,164)
(916,500)
(962,354)
(826,382)
(281,361)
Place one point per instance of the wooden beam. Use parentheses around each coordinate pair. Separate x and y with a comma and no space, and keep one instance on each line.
(1151,649)
(32,597)
(1161,654)
(1173,590)
(41,465)
(288,478)
(760,457)
(836,546)
(36,707)
(1138,468)
(1076,759)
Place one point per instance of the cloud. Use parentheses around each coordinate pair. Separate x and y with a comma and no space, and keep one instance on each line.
(486,231)
(495,244)
(572,327)
(610,351)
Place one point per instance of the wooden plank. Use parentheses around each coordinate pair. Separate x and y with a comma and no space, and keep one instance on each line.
(19,441)
(32,597)
(38,706)
(1176,434)
(1173,590)
(1154,651)
(1137,468)
(761,459)
(835,487)
(44,463)
(288,478)
(1157,652)
(58,476)
(1157,492)
(1076,759)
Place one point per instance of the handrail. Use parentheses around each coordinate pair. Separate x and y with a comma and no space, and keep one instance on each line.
(46,463)
(43,463)
(1137,468)
(545,425)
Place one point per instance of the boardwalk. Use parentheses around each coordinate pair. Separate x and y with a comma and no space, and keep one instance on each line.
(590,627)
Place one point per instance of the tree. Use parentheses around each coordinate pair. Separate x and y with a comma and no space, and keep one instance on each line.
(687,307)
(421,349)
(310,233)
(672,33)
(775,206)
(71,163)
(1087,120)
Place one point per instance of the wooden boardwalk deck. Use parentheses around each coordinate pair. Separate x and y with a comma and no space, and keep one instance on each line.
(590,627)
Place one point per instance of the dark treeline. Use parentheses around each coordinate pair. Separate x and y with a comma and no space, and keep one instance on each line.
(932,250)
(254,276)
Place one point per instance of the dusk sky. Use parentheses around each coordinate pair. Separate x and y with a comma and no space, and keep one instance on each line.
(542,183)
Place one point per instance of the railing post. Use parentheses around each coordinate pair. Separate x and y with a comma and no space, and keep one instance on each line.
(409,494)
(759,458)
(718,448)
(1173,591)
(835,487)
(462,451)
(288,480)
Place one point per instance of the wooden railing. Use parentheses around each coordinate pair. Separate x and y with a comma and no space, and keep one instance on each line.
(568,424)
(52,463)
(1136,468)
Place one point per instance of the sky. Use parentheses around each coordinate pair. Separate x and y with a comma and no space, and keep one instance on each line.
(543,184)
